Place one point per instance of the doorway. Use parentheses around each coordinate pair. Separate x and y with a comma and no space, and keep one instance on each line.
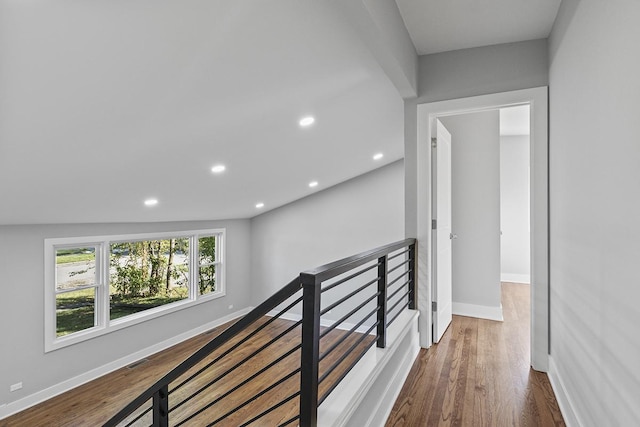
(537,99)
(515,245)
(480,175)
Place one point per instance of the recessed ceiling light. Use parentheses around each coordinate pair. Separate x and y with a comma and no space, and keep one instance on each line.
(307,121)
(313,184)
(218,168)
(260,205)
(151,202)
(378,156)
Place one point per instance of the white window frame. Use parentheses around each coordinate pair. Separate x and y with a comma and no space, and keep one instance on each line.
(103,324)
(218,262)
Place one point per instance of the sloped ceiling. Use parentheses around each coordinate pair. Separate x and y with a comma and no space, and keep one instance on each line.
(106,103)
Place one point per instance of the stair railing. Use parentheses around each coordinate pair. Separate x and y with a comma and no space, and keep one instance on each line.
(319,326)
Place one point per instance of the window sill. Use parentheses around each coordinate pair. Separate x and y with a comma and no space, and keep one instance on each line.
(131,320)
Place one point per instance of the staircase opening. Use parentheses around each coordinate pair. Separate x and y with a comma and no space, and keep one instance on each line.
(306,347)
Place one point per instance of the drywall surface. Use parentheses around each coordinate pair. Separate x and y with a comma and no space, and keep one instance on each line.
(475,204)
(387,18)
(482,70)
(515,250)
(381,28)
(360,214)
(595,208)
(21,307)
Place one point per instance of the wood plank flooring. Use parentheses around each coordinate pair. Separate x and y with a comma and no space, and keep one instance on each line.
(479,375)
(94,403)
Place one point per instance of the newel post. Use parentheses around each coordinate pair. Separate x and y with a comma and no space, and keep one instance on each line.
(382,302)
(310,354)
(161,407)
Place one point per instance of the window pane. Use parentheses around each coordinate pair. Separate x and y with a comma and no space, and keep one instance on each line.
(75,267)
(147,274)
(207,279)
(207,249)
(75,311)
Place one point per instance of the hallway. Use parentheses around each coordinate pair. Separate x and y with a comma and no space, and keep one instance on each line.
(479,375)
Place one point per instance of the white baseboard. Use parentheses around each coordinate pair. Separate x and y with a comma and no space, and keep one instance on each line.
(377,379)
(564,401)
(365,397)
(40,396)
(515,278)
(394,386)
(479,311)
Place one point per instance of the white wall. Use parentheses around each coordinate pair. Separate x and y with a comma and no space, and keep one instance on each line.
(595,209)
(23,359)
(514,74)
(483,70)
(465,73)
(475,200)
(514,209)
(341,221)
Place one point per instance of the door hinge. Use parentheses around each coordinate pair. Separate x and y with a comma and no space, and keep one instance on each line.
(434,224)
(434,306)
(434,142)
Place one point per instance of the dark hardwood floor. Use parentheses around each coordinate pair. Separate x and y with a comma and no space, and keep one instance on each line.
(479,375)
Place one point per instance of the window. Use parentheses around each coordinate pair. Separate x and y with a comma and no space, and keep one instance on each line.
(145,274)
(94,285)
(76,287)
(207,263)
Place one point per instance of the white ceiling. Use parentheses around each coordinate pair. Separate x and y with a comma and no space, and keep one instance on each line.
(439,26)
(105,104)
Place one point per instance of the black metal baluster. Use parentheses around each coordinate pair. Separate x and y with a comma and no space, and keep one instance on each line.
(382,302)
(161,407)
(412,276)
(310,282)
(310,354)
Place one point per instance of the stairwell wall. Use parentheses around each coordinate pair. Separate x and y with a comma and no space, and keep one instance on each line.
(357,215)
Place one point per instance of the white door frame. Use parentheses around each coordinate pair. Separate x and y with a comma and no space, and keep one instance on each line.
(537,98)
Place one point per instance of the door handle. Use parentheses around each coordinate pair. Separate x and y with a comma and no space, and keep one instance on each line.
(453,236)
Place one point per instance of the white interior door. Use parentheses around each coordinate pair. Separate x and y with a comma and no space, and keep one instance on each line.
(441,170)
